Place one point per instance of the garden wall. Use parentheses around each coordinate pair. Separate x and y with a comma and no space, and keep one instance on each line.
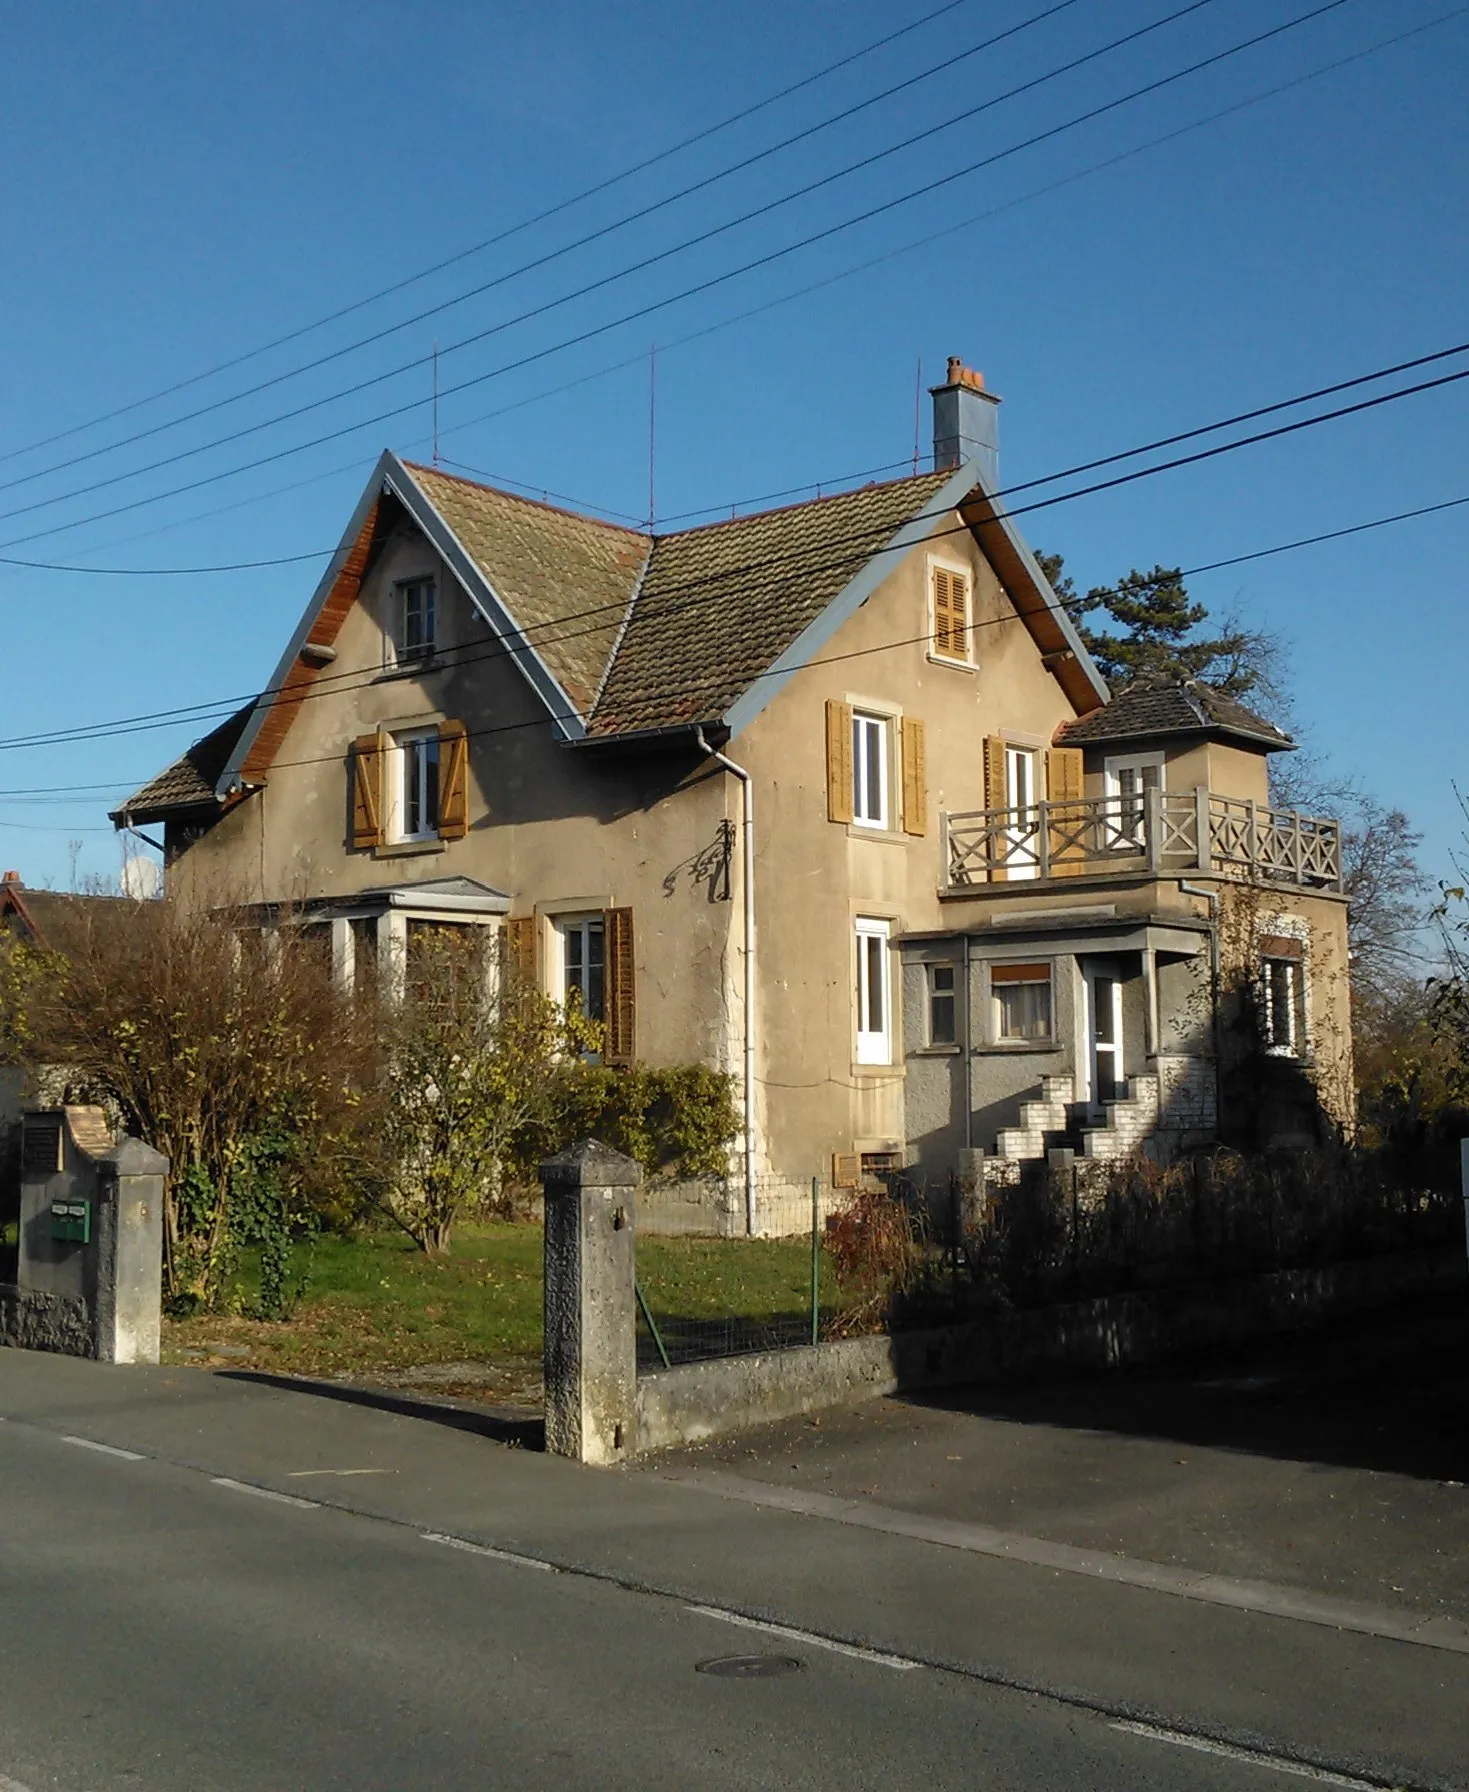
(697,1401)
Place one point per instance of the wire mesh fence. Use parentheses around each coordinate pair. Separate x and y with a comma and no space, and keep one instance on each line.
(709,1284)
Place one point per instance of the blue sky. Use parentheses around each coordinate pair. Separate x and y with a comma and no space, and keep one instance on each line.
(188,183)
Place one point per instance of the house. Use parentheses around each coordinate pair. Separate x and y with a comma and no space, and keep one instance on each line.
(792,794)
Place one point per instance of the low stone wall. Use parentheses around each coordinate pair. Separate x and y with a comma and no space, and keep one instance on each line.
(697,1401)
(31,1320)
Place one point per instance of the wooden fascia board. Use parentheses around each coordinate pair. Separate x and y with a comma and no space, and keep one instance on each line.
(1035,602)
(252,755)
(848,600)
(567,719)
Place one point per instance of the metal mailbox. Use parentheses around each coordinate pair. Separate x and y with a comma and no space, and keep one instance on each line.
(71,1221)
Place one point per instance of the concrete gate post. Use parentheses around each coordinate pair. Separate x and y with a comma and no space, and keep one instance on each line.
(591,1303)
(130,1274)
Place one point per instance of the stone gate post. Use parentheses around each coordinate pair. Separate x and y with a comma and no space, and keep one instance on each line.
(591,1304)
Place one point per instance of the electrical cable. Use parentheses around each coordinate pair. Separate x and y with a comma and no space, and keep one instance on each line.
(544,260)
(326,684)
(593,332)
(490,242)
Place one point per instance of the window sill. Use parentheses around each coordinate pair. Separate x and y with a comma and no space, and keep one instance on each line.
(408,849)
(875,1070)
(936,1051)
(942,659)
(1018,1048)
(431,662)
(882,836)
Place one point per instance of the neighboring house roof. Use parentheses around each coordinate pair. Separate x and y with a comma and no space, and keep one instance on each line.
(51,918)
(623,633)
(1146,710)
(189,783)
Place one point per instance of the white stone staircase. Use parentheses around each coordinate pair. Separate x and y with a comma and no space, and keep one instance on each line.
(1054,1120)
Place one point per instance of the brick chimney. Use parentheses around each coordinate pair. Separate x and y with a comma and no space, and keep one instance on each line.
(966,423)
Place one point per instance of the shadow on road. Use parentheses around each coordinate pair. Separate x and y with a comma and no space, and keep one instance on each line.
(1388,1393)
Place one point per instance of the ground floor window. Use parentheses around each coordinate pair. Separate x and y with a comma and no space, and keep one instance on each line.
(942,1005)
(583,941)
(1023,1009)
(874,1016)
(1283,996)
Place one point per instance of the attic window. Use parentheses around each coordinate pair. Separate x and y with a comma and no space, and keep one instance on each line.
(416,619)
(951,627)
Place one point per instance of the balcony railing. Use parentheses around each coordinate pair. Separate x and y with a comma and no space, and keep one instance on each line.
(1162,832)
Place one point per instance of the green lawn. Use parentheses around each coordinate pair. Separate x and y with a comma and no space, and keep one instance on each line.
(375,1303)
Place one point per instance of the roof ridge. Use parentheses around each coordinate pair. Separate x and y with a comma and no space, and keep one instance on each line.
(580,516)
(750,516)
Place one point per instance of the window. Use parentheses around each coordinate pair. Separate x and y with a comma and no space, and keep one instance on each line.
(942,1018)
(416,601)
(870,770)
(1022,997)
(874,1018)
(416,757)
(951,630)
(583,963)
(1128,783)
(1283,996)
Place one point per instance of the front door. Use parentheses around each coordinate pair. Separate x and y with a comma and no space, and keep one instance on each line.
(1104,1018)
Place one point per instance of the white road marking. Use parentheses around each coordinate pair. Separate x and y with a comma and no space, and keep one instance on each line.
(804,1636)
(1276,1763)
(302,1474)
(88,1443)
(483,1549)
(264,1493)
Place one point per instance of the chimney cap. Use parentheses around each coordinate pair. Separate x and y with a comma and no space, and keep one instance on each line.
(969,378)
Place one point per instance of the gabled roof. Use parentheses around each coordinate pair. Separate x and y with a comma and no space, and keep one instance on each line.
(1149,709)
(623,633)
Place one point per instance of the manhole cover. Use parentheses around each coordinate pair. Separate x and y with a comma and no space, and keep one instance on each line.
(749,1667)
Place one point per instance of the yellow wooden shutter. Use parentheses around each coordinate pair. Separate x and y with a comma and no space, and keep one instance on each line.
(1066,785)
(950,614)
(838,761)
(619,988)
(367,791)
(996,796)
(521,942)
(453,781)
(915,777)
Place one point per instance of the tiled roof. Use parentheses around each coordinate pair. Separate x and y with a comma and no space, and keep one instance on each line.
(54,918)
(1141,711)
(189,782)
(719,604)
(566,579)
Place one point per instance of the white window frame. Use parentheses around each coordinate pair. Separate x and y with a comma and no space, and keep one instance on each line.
(874,1043)
(1123,829)
(1023,860)
(405,655)
(1271,967)
(959,570)
(399,833)
(872,808)
(581,926)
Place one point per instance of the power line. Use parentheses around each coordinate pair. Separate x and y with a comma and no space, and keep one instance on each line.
(490,242)
(941,67)
(634,315)
(326,684)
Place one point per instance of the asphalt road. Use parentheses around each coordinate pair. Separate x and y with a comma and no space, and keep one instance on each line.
(166,1624)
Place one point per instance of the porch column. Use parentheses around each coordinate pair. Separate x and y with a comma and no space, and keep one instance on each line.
(1150,1001)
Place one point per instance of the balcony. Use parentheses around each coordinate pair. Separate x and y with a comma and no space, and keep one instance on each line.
(1157,833)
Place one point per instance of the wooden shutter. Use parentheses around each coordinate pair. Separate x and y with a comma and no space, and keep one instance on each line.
(521,943)
(1065,785)
(846,1169)
(996,796)
(838,761)
(619,988)
(453,781)
(367,791)
(915,777)
(950,614)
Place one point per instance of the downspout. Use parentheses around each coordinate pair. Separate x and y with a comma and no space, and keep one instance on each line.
(1212,898)
(747,878)
(968,1053)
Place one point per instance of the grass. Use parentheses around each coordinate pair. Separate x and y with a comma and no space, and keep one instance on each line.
(377,1305)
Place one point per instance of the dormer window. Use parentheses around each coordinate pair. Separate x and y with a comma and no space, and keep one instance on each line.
(416,620)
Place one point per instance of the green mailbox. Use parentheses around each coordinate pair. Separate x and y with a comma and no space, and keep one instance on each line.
(71,1221)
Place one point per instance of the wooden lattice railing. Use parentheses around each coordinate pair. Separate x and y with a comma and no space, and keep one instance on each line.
(1160,831)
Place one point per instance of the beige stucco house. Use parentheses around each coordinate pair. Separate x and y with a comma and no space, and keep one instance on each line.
(808,795)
